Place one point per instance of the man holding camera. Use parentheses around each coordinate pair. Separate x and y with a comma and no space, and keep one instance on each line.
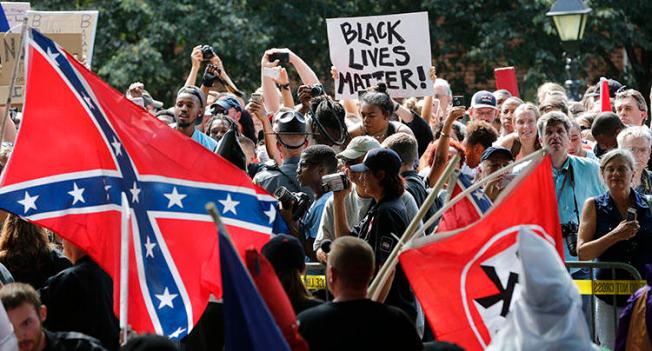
(315,162)
(291,140)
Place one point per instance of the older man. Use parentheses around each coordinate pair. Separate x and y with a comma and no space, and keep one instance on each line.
(638,140)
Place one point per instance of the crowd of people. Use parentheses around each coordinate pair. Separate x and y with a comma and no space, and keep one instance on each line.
(350,175)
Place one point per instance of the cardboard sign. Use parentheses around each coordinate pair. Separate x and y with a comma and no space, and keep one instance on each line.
(15,12)
(506,79)
(393,49)
(83,22)
(9,51)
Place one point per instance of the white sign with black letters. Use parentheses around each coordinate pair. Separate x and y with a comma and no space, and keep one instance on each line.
(394,49)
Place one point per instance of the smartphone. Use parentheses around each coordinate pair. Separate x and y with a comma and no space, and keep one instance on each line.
(272,72)
(631,214)
(282,57)
(458,100)
(257,97)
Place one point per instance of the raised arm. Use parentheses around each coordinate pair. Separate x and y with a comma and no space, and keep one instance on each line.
(195,58)
(441,156)
(426,110)
(306,73)
(257,110)
(270,93)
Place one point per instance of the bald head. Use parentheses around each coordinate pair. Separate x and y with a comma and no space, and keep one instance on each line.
(352,260)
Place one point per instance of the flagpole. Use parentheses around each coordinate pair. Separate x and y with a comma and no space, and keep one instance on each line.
(13,80)
(390,263)
(376,285)
(124,269)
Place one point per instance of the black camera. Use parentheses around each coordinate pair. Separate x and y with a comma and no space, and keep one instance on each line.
(569,233)
(458,100)
(317,90)
(297,202)
(335,182)
(207,52)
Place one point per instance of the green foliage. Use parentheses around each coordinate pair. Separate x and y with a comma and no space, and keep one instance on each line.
(151,41)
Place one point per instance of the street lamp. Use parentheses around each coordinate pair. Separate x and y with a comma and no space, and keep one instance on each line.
(570,17)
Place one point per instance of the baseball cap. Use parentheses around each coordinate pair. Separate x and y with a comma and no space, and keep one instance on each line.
(488,152)
(483,98)
(614,87)
(379,159)
(227,102)
(284,252)
(358,147)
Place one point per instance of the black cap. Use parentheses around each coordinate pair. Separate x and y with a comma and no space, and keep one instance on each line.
(379,159)
(285,252)
(496,150)
(614,87)
(150,342)
(290,122)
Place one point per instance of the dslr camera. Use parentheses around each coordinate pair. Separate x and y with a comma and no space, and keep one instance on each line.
(569,233)
(297,202)
(335,182)
(207,52)
(317,90)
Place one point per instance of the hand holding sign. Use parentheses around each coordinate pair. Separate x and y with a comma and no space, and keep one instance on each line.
(392,49)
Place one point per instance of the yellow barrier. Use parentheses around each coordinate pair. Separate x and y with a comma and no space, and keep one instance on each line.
(608,287)
(314,282)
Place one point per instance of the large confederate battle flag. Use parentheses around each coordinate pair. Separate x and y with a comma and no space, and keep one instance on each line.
(81,144)
(465,282)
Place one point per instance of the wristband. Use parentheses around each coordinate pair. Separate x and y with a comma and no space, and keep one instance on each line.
(444,135)
(283,86)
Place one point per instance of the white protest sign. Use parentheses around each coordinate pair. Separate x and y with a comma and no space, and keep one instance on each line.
(84,22)
(15,12)
(394,49)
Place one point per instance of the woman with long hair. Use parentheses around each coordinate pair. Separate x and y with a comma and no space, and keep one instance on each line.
(27,254)
(525,140)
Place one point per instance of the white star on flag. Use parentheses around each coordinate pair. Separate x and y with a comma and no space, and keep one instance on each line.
(116,145)
(53,56)
(165,299)
(135,191)
(88,101)
(149,246)
(229,205)
(77,193)
(177,333)
(271,213)
(28,202)
(175,198)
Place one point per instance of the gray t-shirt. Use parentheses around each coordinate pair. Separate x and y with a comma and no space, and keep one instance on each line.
(355,208)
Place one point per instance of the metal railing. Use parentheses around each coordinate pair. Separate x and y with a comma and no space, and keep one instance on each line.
(613,287)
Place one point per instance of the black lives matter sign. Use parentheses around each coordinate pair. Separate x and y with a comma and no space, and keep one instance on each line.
(393,49)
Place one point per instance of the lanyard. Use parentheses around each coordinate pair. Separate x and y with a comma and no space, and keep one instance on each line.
(572,184)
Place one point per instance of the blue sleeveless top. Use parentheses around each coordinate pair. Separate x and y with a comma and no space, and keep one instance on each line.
(636,251)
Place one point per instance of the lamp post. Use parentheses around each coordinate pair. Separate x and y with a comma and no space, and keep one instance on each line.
(570,18)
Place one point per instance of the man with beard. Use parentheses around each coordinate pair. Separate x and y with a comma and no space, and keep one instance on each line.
(189,110)
(27,314)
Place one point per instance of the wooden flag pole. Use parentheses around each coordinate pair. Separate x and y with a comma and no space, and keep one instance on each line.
(13,79)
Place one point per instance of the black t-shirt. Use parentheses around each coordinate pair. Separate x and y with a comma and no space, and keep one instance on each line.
(358,325)
(80,299)
(384,223)
(422,132)
(417,188)
(71,341)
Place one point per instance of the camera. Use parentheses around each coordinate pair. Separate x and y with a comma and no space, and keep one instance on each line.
(207,52)
(317,90)
(282,57)
(458,100)
(298,202)
(335,182)
(569,233)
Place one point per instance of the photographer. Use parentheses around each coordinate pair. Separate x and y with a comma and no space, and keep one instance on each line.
(214,70)
(315,162)
(385,221)
(271,63)
(326,122)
